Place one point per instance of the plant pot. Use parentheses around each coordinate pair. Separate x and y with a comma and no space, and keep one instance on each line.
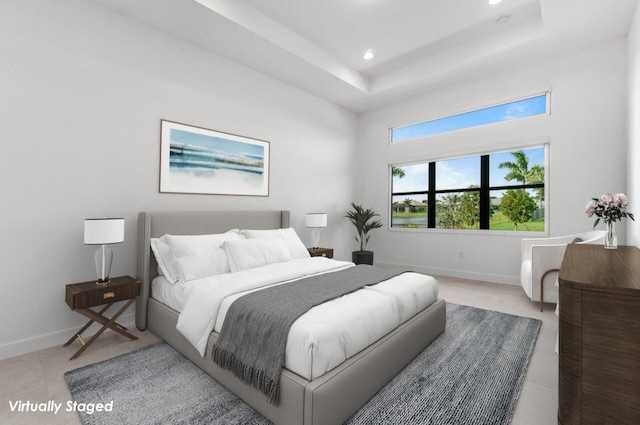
(362,257)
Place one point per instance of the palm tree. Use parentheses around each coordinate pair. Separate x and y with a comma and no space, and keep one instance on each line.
(537,176)
(518,170)
(397,172)
(407,205)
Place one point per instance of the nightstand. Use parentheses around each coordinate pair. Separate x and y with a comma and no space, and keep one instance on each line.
(81,296)
(321,252)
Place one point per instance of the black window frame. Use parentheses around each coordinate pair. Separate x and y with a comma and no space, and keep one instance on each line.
(484,190)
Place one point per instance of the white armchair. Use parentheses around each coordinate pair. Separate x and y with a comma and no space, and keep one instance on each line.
(541,259)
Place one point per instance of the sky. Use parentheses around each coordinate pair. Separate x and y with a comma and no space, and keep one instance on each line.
(519,109)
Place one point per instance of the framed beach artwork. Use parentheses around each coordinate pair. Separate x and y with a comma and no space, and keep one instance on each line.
(198,160)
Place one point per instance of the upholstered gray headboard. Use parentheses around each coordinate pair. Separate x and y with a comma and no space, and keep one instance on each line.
(157,224)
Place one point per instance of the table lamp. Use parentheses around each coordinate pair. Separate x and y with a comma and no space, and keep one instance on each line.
(315,221)
(103,231)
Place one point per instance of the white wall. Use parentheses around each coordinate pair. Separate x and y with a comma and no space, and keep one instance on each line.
(82,93)
(633,156)
(585,131)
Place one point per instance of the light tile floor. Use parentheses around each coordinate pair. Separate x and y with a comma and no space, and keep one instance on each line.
(39,376)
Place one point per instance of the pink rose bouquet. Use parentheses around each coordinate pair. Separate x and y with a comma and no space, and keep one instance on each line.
(610,208)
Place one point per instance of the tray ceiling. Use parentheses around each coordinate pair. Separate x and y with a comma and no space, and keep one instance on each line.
(418,45)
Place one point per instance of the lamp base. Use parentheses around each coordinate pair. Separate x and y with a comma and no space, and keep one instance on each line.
(104,258)
(315,238)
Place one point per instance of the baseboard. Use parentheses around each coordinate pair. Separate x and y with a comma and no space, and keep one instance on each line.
(40,342)
(485,277)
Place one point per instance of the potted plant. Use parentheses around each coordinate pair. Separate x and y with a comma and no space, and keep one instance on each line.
(364,221)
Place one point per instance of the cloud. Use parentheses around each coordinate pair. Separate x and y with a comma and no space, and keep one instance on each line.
(460,176)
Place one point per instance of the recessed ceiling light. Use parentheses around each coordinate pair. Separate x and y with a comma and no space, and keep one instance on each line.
(368,54)
(494,2)
(503,20)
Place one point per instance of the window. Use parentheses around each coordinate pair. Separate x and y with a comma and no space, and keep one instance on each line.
(536,105)
(496,191)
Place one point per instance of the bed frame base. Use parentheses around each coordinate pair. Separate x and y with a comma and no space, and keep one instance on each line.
(330,399)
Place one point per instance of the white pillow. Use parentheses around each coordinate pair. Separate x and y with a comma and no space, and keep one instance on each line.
(167,263)
(291,240)
(246,254)
(200,256)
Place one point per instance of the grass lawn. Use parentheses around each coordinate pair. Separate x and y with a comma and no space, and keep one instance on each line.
(500,222)
(409,214)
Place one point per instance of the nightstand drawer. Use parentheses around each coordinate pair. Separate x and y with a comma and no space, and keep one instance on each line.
(321,252)
(90,294)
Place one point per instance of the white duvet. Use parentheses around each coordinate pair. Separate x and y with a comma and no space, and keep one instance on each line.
(327,334)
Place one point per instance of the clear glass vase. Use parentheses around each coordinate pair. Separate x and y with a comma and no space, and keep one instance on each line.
(610,239)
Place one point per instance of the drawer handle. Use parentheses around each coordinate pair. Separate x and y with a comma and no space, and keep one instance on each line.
(109,295)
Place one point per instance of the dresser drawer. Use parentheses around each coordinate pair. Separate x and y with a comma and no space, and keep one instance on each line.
(608,401)
(570,354)
(570,399)
(611,363)
(611,311)
(571,305)
(90,294)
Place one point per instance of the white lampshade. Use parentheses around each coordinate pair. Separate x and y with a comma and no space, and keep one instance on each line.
(316,220)
(100,231)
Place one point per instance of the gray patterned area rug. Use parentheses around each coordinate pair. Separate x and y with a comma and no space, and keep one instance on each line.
(471,375)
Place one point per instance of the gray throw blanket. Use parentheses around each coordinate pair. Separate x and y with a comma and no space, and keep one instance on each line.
(254,334)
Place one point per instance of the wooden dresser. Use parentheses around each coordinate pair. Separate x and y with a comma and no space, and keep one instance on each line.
(599,336)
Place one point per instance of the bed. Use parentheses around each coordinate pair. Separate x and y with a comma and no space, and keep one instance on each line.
(329,399)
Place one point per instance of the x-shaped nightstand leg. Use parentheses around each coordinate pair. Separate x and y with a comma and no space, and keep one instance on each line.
(104,321)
